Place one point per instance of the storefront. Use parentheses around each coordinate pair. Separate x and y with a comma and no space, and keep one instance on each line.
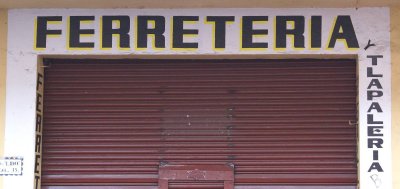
(201,98)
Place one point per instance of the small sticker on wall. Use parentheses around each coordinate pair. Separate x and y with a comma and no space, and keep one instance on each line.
(11,166)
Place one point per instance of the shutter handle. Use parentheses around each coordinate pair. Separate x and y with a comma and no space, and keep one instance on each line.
(351,123)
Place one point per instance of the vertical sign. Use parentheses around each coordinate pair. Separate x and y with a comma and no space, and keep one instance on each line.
(375,123)
(39,126)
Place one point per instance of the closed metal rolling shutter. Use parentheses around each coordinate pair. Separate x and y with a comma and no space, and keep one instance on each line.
(281,123)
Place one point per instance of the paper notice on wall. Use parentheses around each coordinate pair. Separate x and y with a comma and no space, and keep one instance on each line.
(11,166)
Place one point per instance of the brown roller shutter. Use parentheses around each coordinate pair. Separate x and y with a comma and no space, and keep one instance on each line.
(282,124)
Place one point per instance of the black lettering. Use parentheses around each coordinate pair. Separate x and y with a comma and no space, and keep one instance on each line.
(109,31)
(220,29)
(297,32)
(344,29)
(158,31)
(375,155)
(38,143)
(75,32)
(371,120)
(375,130)
(375,166)
(38,102)
(248,32)
(372,94)
(375,106)
(37,164)
(377,142)
(37,179)
(39,81)
(376,83)
(374,59)
(371,74)
(38,123)
(316,31)
(179,31)
(42,32)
